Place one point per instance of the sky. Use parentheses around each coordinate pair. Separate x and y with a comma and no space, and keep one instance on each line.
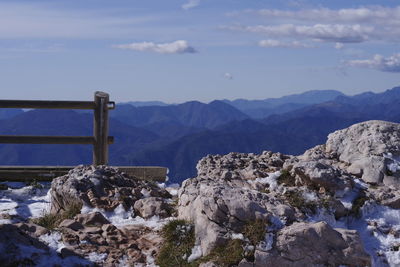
(181,50)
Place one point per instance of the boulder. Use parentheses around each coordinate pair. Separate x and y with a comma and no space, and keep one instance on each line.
(216,208)
(151,206)
(368,148)
(314,244)
(321,175)
(94,218)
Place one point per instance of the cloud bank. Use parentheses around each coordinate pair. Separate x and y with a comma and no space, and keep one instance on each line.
(177,47)
(351,25)
(378,62)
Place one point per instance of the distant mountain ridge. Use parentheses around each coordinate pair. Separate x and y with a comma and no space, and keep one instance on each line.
(177,136)
(190,114)
(262,108)
(144,103)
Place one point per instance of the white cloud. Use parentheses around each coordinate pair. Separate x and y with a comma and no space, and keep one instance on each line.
(379,62)
(349,25)
(339,45)
(277,43)
(191,4)
(320,32)
(228,76)
(375,15)
(177,47)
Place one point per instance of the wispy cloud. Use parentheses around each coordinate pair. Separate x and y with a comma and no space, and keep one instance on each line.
(27,20)
(177,47)
(276,43)
(228,76)
(351,25)
(376,15)
(319,32)
(378,62)
(339,45)
(191,4)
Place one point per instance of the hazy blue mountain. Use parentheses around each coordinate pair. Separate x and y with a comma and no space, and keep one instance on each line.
(177,136)
(64,122)
(191,114)
(291,137)
(383,106)
(266,107)
(6,113)
(144,103)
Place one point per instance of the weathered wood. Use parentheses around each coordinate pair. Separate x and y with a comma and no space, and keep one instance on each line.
(47,104)
(47,173)
(100,129)
(25,139)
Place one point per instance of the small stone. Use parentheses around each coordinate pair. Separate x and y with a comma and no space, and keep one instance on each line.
(95,218)
(71,224)
(68,252)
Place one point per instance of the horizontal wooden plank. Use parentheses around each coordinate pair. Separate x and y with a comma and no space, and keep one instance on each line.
(41,104)
(27,139)
(47,173)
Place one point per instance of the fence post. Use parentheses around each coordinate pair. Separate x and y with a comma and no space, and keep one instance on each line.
(100,129)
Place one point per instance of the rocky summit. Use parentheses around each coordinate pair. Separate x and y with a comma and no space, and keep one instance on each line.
(338,204)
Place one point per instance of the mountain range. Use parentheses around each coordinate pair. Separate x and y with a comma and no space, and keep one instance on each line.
(178,135)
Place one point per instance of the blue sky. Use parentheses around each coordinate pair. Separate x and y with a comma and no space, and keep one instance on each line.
(176,51)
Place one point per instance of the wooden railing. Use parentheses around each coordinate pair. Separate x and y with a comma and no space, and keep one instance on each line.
(100,139)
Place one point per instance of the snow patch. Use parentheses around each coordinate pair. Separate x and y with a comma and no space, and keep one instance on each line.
(196,253)
(120,217)
(26,202)
(394,164)
(267,243)
(310,196)
(270,179)
(237,236)
(145,193)
(96,257)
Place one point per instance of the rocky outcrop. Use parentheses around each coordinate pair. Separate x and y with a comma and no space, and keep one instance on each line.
(369,148)
(357,165)
(330,206)
(104,188)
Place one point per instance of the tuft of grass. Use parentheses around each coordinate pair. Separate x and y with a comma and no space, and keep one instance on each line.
(357,204)
(48,220)
(286,178)
(227,255)
(53,220)
(296,200)
(255,231)
(179,240)
(265,190)
(34,183)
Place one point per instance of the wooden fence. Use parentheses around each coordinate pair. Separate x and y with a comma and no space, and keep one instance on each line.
(100,140)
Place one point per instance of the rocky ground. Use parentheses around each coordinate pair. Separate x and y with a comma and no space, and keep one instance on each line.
(338,204)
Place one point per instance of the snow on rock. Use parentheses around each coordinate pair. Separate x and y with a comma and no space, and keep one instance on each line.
(101,187)
(19,203)
(196,254)
(336,204)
